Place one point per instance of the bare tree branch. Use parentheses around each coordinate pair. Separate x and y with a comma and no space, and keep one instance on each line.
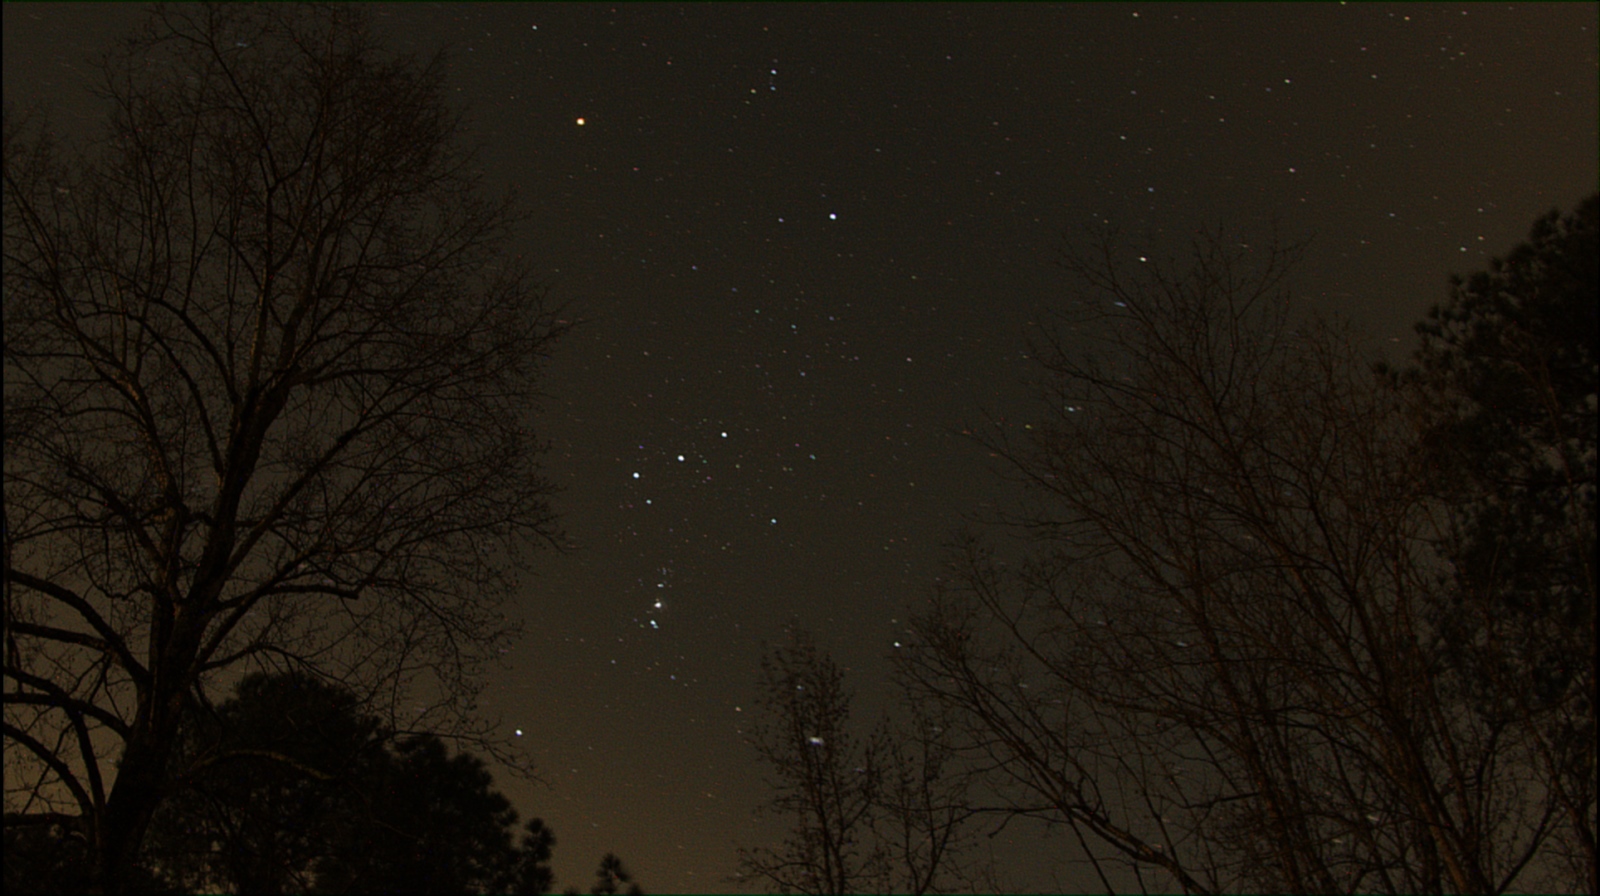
(269,372)
(1213,654)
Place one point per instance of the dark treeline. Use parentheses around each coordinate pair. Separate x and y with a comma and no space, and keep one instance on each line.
(287,787)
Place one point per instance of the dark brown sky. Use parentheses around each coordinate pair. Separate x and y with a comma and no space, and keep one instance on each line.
(808,241)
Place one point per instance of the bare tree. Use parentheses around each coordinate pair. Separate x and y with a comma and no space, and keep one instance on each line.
(869,815)
(1212,661)
(268,378)
(825,779)
(924,814)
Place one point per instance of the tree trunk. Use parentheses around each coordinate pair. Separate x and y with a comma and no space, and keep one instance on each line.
(141,782)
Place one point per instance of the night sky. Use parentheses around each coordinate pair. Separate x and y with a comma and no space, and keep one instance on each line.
(807,242)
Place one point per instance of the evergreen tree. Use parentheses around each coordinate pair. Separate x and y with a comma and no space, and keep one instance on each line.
(428,822)
(611,876)
(288,787)
(1506,381)
(265,780)
(531,875)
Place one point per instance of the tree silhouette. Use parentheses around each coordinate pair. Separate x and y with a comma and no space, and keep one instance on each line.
(264,787)
(611,876)
(430,824)
(826,781)
(532,874)
(1213,657)
(1505,379)
(289,788)
(874,814)
(268,371)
